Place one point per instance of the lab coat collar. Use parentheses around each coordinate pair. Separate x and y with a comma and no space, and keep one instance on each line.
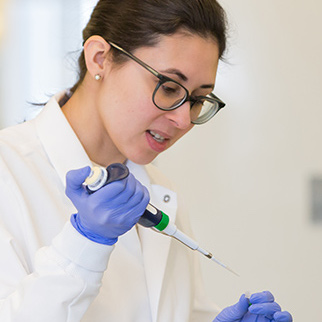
(60,142)
(65,152)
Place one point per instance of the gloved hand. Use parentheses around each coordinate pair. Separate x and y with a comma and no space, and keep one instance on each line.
(109,212)
(259,308)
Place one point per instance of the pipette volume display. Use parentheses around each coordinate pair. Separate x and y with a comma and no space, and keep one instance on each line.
(152,217)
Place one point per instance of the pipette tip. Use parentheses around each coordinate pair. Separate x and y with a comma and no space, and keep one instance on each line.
(224,266)
(232,271)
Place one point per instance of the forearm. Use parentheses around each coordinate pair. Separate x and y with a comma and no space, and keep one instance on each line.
(65,281)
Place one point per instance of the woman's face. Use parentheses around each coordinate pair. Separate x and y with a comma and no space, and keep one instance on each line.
(136,128)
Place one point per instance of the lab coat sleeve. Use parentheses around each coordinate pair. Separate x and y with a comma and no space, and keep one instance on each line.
(65,280)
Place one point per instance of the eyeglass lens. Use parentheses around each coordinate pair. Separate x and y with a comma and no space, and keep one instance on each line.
(169,95)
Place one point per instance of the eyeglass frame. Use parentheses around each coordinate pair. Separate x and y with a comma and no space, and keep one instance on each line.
(162,79)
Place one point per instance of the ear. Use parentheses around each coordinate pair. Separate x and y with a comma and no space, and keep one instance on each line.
(96,50)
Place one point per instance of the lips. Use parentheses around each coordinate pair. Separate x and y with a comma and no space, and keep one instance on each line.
(158,137)
(158,141)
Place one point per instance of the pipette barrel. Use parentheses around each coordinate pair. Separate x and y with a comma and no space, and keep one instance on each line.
(153,217)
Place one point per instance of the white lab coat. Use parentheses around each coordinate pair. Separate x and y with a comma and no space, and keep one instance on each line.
(49,272)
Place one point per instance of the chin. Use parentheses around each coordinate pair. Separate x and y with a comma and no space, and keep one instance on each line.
(142,159)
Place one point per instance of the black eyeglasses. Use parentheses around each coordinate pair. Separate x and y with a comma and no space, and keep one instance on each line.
(169,95)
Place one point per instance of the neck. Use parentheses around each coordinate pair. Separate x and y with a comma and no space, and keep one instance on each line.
(82,114)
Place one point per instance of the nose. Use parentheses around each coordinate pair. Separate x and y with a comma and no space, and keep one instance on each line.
(181,116)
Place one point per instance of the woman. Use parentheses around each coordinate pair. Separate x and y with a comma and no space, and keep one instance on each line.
(146,76)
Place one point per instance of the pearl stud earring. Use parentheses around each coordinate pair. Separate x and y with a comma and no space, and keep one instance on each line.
(98,77)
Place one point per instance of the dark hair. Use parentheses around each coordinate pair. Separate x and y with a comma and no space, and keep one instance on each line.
(136,23)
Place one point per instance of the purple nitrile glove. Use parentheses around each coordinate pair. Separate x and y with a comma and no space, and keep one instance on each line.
(109,212)
(261,307)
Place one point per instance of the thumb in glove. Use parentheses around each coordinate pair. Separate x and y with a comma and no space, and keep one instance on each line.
(235,312)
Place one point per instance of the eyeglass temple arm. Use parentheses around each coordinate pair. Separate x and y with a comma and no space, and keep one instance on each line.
(150,69)
(220,102)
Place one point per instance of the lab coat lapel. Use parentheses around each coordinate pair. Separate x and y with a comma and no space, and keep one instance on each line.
(155,246)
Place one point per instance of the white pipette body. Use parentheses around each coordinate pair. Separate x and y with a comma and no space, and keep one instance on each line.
(173,231)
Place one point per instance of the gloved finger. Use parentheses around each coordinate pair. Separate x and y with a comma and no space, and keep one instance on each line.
(129,217)
(132,188)
(283,317)
(140,193)
(264,308)
(132,195)
(75,179)
(261,318)
(141,205)
(248,317)
(109,192)
(139,196)
(234,312)
(134,209)
(261,297)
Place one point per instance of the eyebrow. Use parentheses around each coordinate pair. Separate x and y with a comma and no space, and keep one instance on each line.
(176,72)
(184,77)
(208,86)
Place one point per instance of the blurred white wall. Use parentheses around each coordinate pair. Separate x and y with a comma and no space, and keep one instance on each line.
(39,48)
(249,169)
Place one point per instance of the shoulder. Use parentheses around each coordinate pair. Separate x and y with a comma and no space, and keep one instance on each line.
(18,145)
(18,135)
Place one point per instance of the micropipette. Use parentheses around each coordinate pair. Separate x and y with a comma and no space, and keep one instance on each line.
(152,217)
(159,221)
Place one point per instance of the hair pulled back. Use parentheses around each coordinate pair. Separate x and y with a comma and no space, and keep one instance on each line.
(136,23)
